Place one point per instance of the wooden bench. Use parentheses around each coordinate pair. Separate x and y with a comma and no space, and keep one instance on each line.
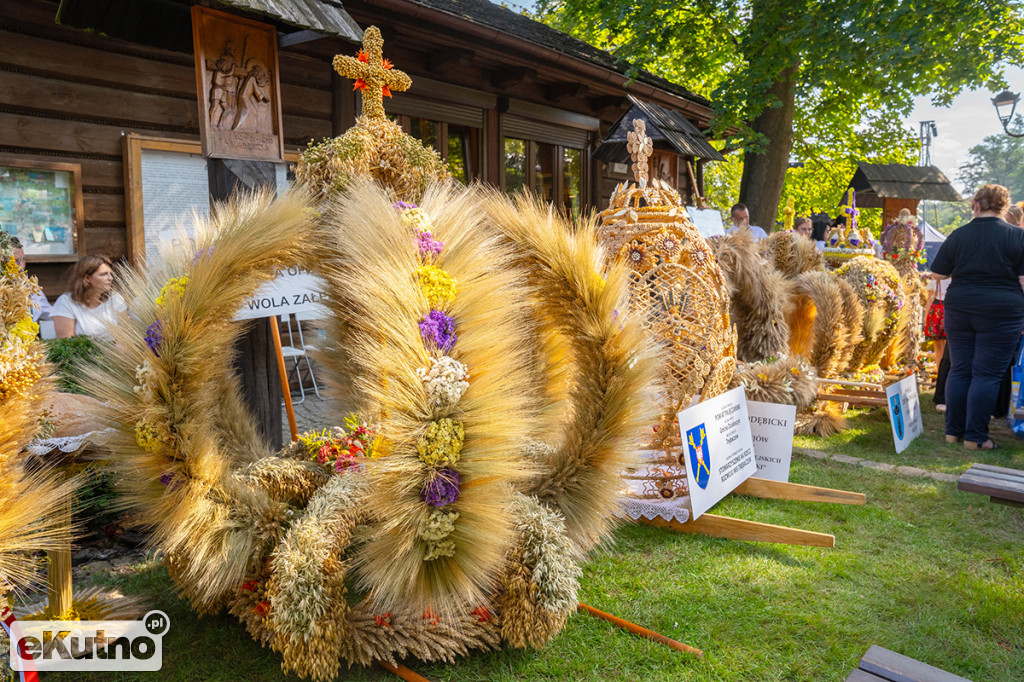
(1005,486)
(882,665)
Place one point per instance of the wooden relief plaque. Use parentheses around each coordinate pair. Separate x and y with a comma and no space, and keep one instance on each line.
(239,86)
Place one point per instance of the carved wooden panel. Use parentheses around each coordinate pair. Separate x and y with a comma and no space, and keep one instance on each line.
(238,80)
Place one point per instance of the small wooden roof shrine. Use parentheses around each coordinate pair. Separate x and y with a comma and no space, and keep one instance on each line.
(668,130)
(876,182)
(893,186)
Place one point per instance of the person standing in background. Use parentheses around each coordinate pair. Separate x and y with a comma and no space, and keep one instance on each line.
(90,308)
(935,330)
(40,306)
(802,227)
(984,313)
(741,221)
(1014,215)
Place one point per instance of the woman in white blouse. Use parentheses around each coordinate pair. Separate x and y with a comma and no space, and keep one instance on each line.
(90,308)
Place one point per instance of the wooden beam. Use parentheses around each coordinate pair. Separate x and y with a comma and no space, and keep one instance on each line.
(740,529)
(603,106)
(560,92)
(781,490)
(447,61)
(517,75)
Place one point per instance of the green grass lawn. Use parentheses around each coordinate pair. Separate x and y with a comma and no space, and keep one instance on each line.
(921,569)
(869,436)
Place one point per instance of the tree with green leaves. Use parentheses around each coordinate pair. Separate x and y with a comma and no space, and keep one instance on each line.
(999,159)
(798,77)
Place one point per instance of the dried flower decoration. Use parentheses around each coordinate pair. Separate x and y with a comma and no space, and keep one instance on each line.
(445,381)
(438,286)
(175,287)
(146,436)
(26,329)
(442,488)
(428,247)
(439,329)
(415,219)
(441,445)
(155,336)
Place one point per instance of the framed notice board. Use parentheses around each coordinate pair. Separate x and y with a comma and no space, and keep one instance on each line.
(166,182)
(41,205)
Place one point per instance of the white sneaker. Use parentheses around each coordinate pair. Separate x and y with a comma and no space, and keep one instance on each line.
(940,408)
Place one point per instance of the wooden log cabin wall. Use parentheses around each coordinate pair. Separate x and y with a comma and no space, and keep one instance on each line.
(502,108)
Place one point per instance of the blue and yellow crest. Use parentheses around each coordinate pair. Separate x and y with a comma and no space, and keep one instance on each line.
(700,456)
(895,403)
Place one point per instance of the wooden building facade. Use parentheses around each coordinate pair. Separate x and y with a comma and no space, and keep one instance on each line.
(506,100)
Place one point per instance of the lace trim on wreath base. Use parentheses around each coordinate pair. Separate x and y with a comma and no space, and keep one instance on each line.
(68,444)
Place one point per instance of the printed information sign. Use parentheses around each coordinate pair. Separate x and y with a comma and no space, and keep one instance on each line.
(771,426)
(293,291)
(904,411)
(718,448)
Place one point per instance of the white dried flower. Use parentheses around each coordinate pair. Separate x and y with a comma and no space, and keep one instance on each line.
(445,381)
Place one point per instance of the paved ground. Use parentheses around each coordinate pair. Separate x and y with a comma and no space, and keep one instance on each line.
(312,413)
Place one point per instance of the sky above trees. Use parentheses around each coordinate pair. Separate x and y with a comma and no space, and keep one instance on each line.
(963,125)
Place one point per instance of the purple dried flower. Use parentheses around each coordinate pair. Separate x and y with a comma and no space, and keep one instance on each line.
(155,336)
(201,254)
(439,328)
(401,205)
(442,488)
(428,246)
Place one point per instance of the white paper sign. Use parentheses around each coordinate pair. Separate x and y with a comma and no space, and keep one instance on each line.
(293,291)
(771,427)
(718,448)
(904,411)
(707,220)
(175,186)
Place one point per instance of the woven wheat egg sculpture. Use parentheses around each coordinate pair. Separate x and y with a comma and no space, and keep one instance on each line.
(676,286)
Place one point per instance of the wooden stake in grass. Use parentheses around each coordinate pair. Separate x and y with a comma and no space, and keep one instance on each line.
(643,632)
(403,672)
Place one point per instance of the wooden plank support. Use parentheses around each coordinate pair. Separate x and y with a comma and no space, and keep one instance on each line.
(859,675)
(853,400)
(403,672)
(781,490)
(642,632)
(727,527)
(890,665)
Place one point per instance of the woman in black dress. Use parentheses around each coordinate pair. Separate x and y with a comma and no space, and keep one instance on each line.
(984,313)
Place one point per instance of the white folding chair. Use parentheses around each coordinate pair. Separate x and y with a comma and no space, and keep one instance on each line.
(299,353)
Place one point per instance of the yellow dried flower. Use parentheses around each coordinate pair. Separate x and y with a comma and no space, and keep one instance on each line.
(175,286)
(436,531)
(146,436)
(442,443)
(26,329)
(441,548)
(438,286)
(11,268)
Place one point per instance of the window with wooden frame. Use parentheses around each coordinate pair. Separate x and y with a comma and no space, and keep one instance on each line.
(458,144)
(553,172)
(548,151)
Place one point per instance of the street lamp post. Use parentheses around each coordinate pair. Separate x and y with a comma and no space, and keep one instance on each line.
(1006,104)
